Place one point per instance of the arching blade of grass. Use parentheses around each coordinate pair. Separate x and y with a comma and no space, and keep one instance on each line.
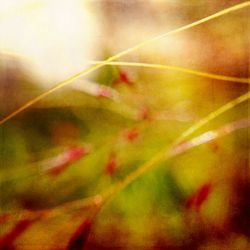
(175,150)
(210,135)
(96,202)
(167,153)
(122,53)
(177,147)
(208,118)
(179,69)
(212,116)
(108,195)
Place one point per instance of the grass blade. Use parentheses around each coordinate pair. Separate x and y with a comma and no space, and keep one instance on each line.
(179,69)
(164,154)
(122,53)
(177,149)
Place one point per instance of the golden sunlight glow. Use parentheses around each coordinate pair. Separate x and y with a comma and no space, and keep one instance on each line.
(57,36)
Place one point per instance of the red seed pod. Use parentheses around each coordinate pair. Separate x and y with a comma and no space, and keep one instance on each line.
(58,164)
(80,236)
(131,134)
(7,241)
(123,78)
(202,195)
(197,199)
(75,153)
(190,202)
(111,165)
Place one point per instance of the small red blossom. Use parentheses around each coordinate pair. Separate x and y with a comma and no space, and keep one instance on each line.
(123,78)
(57,165)
(7,241)
(111,165)
(76,153)
(197,199)
(131,134)
(80,236)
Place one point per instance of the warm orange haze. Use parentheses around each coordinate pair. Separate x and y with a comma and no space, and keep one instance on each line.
(124,125)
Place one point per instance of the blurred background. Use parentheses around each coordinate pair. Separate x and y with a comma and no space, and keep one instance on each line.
(85,137)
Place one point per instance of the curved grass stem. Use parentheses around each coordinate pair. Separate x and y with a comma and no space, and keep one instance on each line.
(172,151)
(122,53)
(178,147)
(211,116)
(179,69)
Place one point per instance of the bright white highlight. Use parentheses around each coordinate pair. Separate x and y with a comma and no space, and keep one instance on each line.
(57,36)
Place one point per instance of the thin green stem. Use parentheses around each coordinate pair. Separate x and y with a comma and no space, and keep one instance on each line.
(179,69)
(167,152)
(122,53)
(172,151)
(202,122)
(99,200)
